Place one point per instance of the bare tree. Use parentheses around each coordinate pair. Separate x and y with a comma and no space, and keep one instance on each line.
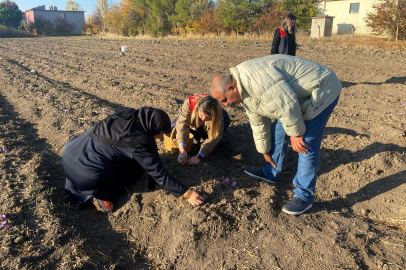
(103,7)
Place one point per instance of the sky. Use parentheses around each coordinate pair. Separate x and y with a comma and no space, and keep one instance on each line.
(87,5)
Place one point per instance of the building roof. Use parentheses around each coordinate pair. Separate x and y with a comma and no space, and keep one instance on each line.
(42,8)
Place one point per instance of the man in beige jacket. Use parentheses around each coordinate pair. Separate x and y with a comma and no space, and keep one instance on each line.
(300,95)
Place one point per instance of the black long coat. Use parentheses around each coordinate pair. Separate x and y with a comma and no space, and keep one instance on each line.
(103,170)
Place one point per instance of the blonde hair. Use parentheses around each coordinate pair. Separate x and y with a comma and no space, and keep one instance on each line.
(286,23)
(211,107)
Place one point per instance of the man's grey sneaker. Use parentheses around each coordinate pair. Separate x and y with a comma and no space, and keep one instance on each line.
(259,174)
(296,207)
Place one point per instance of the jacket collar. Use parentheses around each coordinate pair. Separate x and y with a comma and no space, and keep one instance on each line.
(241,90)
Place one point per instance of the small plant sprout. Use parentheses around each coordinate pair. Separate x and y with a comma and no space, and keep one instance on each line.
(4,148)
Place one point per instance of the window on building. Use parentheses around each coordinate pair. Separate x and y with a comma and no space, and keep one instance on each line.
(354,8)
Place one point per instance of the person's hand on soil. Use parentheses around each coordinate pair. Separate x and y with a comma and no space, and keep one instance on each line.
(196,199)
(194,160)
(182,157)
(268,159)
(298,144)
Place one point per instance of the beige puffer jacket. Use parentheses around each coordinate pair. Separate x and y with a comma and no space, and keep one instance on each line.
(288,88)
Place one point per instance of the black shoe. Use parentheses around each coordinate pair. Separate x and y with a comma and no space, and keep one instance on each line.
(296,207)
(259,174)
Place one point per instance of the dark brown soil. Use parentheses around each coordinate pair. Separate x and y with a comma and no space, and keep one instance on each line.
(53,89)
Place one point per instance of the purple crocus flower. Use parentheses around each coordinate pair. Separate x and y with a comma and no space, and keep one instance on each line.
(234,185)
(84,125)
(104,110)
(65,110)
(205,196)
(400,114)
(197,189)
(4,148)
(390,111)
(225,181)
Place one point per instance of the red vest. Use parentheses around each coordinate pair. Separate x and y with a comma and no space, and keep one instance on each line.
(193,102)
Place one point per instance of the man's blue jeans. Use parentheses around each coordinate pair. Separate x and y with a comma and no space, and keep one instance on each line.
(305,178)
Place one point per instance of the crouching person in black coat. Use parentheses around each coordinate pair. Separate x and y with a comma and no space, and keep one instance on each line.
(108,157)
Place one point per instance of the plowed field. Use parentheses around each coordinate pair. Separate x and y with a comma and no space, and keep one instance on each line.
(52,89)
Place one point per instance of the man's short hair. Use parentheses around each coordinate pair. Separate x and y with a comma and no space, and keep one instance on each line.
(222,83)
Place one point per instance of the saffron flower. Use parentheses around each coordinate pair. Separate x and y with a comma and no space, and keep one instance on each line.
(3,222)
(390,111)
(65,110)
(48,97)
(84,125)
(400,114)
(197,189)
(234,185)
(225,181)
(5,149)
(205,196)
(104,110)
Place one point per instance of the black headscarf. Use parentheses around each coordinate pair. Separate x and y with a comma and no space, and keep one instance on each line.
(132,128)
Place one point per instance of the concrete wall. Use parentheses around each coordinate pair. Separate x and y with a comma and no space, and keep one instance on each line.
(75,17)
(343,18)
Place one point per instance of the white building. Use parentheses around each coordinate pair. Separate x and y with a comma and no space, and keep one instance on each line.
(77,18)
(348,14)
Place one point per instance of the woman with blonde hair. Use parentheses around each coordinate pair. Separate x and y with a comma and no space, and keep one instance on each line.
(203,116)
(284,39)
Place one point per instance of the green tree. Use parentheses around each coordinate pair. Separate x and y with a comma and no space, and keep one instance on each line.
(302,9)
(388,17)
(237,15)
(72,5)
(10,15)
(156,13)
(182,15)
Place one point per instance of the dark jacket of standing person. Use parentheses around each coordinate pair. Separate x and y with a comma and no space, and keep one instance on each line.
(111,155)
(284,40)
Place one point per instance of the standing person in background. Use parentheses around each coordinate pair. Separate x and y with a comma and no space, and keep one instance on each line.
(284,39)
(203,116)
